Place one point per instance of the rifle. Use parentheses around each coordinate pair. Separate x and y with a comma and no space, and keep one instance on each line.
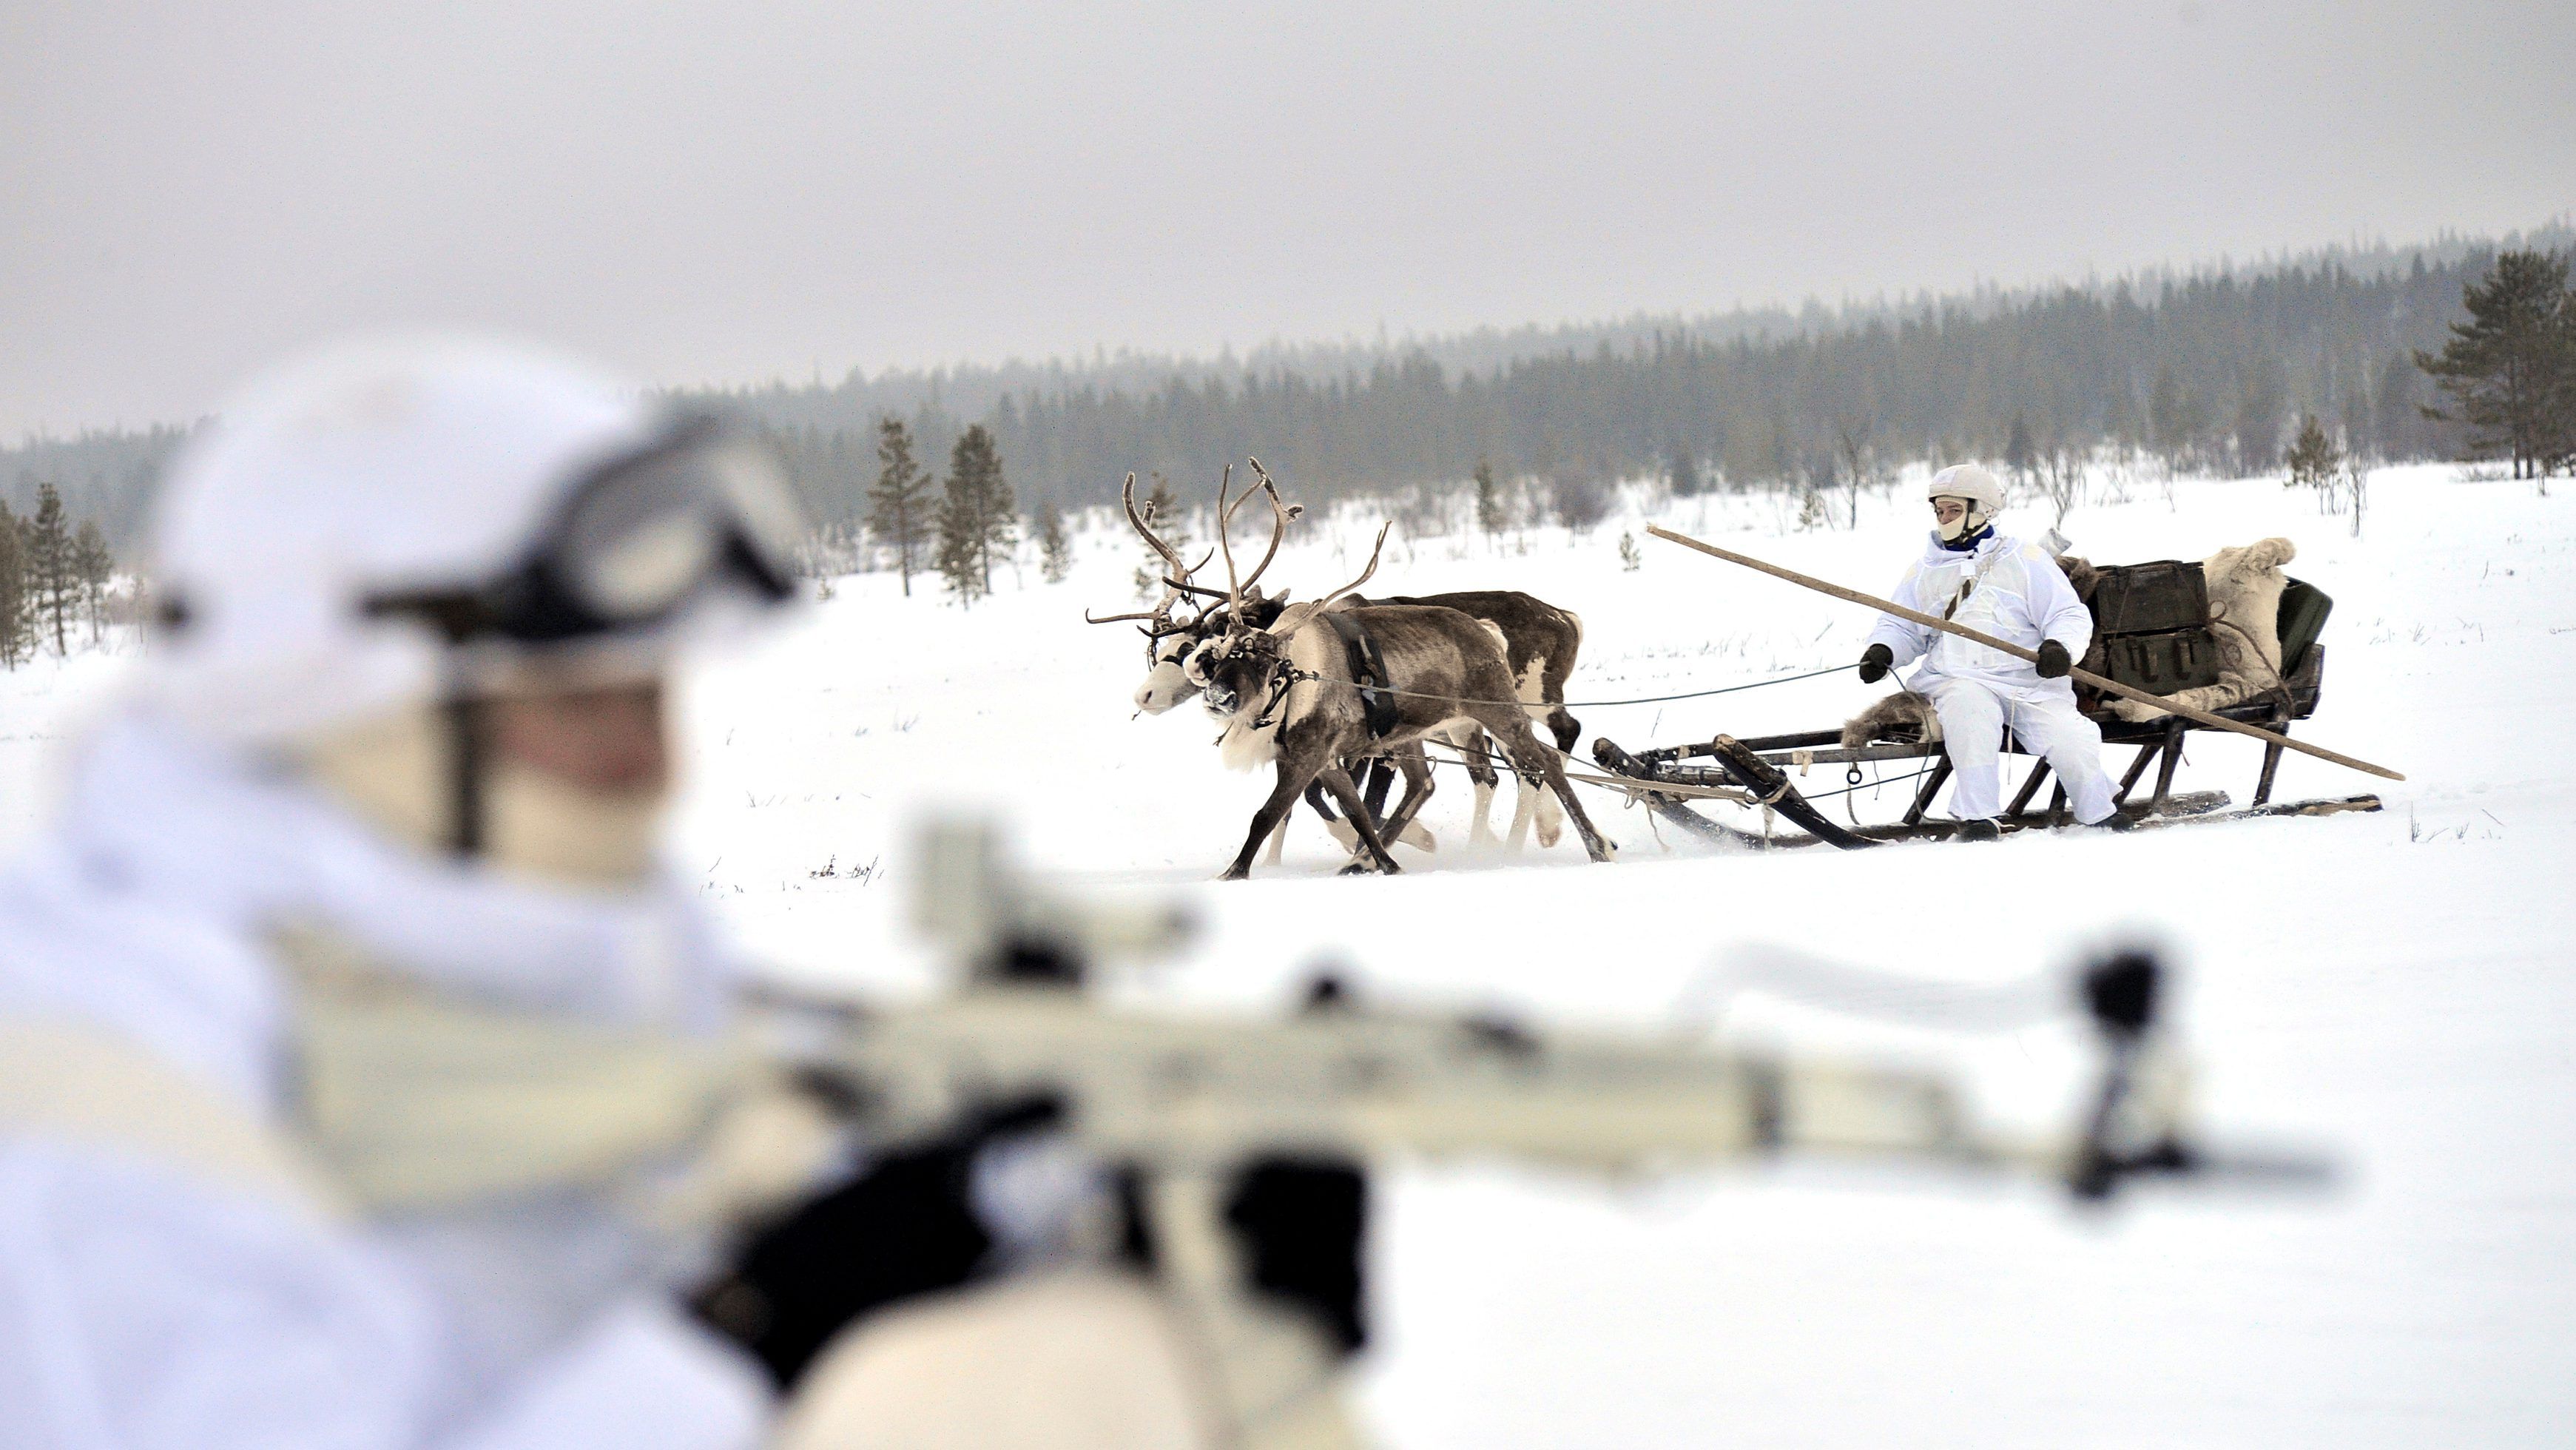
(1182,1100)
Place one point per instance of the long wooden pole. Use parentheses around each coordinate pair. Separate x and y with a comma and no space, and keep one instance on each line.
(2110,687)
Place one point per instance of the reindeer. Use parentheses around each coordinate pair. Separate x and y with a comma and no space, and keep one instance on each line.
(1540,642)
(1285,695)
(1168,642)
(1540,645)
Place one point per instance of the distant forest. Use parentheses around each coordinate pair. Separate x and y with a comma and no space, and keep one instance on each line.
(2212,368)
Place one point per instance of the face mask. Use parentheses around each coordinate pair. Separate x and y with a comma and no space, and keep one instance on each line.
(1969,521)
(393,772)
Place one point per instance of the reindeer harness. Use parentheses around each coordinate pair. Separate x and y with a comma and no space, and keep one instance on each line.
(1368,671)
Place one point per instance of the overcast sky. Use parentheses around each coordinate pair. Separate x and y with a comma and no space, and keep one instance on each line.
(723,192)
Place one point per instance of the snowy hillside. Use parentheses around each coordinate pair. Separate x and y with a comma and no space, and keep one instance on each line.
(2401,985)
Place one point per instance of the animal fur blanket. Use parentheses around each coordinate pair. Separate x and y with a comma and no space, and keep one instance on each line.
(2245,587)
(1889,716)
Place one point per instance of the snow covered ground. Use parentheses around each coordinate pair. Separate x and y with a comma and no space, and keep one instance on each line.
(2400,986)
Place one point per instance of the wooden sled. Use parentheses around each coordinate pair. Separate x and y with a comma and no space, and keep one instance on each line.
(1760,766)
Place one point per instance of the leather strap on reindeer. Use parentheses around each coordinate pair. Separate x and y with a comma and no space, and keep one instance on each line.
(1368,671)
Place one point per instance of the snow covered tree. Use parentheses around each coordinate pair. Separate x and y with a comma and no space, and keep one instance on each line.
(1629,558)
(900,505)
(1055,548)
(976,517)
(2511,368)
(1813,512)
(51,570)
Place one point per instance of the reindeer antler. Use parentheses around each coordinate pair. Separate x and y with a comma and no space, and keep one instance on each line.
(1173,589)
(1297,616)
(1224,541)
(1136,521)
(1281,514)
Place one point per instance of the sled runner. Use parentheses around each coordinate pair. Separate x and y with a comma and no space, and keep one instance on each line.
(2162,598)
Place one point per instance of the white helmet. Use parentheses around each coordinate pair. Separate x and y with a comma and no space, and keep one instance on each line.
(392,523)
(1978,487)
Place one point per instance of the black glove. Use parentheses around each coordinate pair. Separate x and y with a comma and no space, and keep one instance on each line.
(2053,663)
(1875,662)
(904,1228)
(1300,1223)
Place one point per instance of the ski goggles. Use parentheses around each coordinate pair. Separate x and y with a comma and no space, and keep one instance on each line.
(637,538)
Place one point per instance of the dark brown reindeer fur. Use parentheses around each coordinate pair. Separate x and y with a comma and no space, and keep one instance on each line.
(1540,642)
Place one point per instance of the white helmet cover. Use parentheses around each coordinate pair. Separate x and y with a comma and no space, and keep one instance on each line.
(1978,485)
(414,464)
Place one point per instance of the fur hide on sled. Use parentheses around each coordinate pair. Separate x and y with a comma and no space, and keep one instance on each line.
(2245,587)
(1891,717)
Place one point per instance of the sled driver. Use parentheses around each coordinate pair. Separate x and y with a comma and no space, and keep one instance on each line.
(363,1080)
(1996,584)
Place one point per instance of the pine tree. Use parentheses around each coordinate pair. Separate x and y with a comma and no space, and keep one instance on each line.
(53,580)
(17,621)
(1683,471)
(1491,516)
(1055,549)
(2173,420)
(95,569)
(976,517)
(2397,422)
(2313,460)
(2020,454)
(2511,368)
(900,506)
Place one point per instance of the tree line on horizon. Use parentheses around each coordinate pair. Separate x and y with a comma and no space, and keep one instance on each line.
(2215,373)
(2209,372)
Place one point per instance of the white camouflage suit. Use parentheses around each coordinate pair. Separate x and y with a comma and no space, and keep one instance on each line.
(2015,592)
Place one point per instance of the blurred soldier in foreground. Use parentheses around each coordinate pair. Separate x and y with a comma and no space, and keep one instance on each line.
(363,1083)
(362,1080)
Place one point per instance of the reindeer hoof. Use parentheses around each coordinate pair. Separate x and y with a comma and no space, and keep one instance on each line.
(1548,836)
